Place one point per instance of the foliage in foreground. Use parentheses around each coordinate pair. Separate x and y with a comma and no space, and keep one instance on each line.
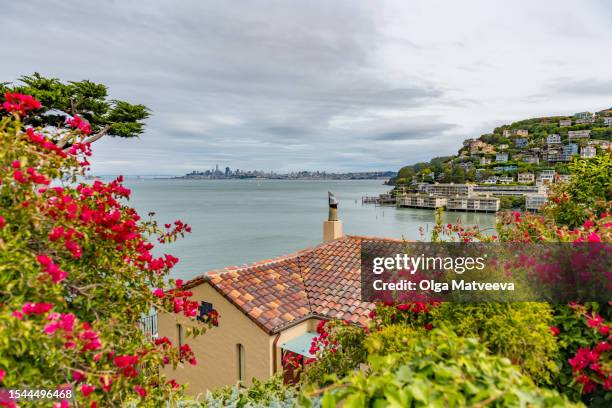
(440,369)
(271,393)
(519,331)
(77,274)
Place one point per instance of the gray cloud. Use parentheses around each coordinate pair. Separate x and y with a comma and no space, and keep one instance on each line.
(421,131)
(342,85)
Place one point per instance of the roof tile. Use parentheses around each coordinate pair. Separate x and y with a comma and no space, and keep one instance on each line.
(324,281)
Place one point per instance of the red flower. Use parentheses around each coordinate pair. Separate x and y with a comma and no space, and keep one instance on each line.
(19,177)
(2,374)
(36,308)
(125,361)
(87,389)
(555,330)
(78,123)
(604,330)
(141,391)
(403,307)
(19,103)
(78,376)
(1,221)
(159,293)
(595,321)
(593,237)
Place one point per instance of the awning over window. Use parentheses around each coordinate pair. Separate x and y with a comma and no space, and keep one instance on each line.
(300,344)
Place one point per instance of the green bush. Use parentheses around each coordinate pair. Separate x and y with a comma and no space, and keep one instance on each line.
(588,191)
(519,331)
(391,339)
(270,393)
(444,370)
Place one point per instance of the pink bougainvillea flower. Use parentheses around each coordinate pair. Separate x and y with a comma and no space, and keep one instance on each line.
(141,391)
(2,374)
(87,389)
(593,237)
(77,123)
(159,293)
(595,321)
(36,308)
(78,376)
(20,103)
(2,222)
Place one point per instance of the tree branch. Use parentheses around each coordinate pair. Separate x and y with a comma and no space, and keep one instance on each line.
(98,135)
(90,139)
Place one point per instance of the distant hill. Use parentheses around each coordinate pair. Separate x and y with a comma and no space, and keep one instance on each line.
(527,146)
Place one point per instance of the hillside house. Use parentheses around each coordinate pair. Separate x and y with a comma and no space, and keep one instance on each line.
(501,157)
(569,151)
(578,134)
(565,122)
(531,159)
(607,121)
(588,152)
(553,139)
(522,132)
(526,178)
(520,142)
(547,176)
(583,115)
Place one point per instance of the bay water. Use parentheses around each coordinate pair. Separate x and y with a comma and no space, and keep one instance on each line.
(240,221)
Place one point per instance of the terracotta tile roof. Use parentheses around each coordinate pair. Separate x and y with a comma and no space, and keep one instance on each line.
(324,281)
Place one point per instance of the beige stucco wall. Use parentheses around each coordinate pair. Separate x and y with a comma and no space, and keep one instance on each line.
(216,349)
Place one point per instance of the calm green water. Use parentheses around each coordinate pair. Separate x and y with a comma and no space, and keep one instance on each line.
(241,221)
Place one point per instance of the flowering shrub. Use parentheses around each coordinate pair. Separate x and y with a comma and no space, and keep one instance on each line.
(585,340)
(412,314)
(338,349)
(78,274)
(579,212)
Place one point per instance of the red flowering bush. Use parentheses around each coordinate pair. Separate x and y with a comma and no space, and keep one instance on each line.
(78,274)
(413,314)
(338,349)
(584,336)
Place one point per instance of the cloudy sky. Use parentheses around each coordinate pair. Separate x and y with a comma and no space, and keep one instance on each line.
(331,85)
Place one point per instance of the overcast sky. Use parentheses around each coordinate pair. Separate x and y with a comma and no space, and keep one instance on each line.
(329,85)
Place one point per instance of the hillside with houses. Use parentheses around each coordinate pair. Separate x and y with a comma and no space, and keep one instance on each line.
(513,166)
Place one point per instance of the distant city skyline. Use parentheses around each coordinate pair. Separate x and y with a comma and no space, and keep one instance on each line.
(338,86)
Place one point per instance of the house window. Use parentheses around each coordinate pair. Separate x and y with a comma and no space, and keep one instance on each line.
(241,362)
(179,333)
(204,309)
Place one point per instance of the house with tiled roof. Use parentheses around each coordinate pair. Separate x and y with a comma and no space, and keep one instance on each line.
(269,308)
